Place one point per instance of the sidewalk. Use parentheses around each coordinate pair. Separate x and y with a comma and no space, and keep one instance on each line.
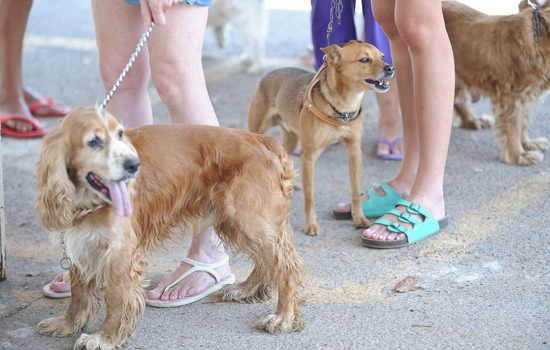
(484,278)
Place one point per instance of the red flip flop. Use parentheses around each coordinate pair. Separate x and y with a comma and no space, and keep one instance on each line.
(37,132)
(50,102)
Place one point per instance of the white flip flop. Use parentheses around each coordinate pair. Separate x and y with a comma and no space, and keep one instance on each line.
(196,266)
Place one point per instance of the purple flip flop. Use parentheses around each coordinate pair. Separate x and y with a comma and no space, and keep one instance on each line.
(391,156)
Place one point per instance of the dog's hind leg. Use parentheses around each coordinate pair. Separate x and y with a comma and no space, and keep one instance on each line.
(260,112)
(468,119)
(82,310)
(277,265)
(510,129)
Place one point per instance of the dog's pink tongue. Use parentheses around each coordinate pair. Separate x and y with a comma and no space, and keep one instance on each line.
(120,198)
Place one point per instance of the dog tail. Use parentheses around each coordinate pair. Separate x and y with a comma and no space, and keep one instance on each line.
(287,165)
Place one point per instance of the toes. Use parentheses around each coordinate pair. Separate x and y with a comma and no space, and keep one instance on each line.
(344,207)
(60,287)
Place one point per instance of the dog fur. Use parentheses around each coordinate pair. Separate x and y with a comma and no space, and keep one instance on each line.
(498,57)
(179,178)
(279,100)
(250,20)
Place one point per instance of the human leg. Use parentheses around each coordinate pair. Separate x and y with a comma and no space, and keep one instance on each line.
(118,28)
(14,15)
(389,120)
(417,34)
(176,65)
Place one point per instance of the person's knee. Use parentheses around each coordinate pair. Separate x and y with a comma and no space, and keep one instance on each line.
(384,15)
(416,35)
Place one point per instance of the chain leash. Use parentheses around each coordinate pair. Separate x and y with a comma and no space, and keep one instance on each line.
(537,20)
(65,262)
(129,64)
(339,7)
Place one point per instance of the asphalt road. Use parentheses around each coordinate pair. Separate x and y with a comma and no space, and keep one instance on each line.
(484,279)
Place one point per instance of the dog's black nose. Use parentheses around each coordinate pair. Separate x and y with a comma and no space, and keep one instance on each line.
(131,165)
(389,69)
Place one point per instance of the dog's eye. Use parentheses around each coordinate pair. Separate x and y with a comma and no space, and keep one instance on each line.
(382,58)
(95,143)
(364,60)
(120,133)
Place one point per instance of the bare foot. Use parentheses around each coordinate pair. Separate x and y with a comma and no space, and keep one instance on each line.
(18,107)
(194,284)
(59,284)
(46,107)
(389,146)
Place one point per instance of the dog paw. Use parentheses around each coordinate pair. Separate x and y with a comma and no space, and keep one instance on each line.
(526,158)
(361,221)
(277,324)
(93,342)
(477,123)
(312,229)
(234,292)
(57,327)
(538,144)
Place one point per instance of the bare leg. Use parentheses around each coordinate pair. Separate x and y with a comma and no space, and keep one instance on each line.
(181,87)
(389,121)
(420,44)
(13,22)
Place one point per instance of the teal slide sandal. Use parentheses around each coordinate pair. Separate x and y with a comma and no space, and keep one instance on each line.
(420,229)
(376,206)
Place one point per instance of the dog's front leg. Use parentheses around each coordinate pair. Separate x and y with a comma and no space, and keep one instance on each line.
(82,310)
(509,128)
(355,165)
(125,302)
(309,157)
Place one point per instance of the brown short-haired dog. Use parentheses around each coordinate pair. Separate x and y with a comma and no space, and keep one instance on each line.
(92,174)
(499,57)
(320,109)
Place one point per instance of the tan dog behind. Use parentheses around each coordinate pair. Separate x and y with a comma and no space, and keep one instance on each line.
(352,69)
(498,57)
(91,176)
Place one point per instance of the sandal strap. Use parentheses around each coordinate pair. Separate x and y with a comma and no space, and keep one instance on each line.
(414,208)
(392,226)
(199,266)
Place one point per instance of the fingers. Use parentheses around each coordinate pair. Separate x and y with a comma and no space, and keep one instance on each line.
(146,14)
(154,10)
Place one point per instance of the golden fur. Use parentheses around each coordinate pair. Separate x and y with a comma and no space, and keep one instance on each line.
(190,178)
(279,100)
(497,57)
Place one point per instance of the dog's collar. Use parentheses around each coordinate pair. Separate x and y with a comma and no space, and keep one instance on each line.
(308,103)
(345,116)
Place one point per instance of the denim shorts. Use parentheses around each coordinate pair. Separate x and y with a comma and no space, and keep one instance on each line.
(185,2)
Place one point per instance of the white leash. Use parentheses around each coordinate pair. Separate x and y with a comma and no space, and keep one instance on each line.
(128,65)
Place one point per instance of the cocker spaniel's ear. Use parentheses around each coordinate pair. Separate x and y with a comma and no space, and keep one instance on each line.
(55,195)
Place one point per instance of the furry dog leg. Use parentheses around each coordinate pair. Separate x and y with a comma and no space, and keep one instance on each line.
(82,310)
(509,128)
(468,119)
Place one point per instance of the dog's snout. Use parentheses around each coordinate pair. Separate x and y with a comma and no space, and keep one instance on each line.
(389,69)
(131,165)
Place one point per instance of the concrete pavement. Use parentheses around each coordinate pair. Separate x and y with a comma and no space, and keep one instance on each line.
(484,278)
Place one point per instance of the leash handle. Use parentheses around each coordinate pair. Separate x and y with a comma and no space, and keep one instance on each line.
(128,65)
